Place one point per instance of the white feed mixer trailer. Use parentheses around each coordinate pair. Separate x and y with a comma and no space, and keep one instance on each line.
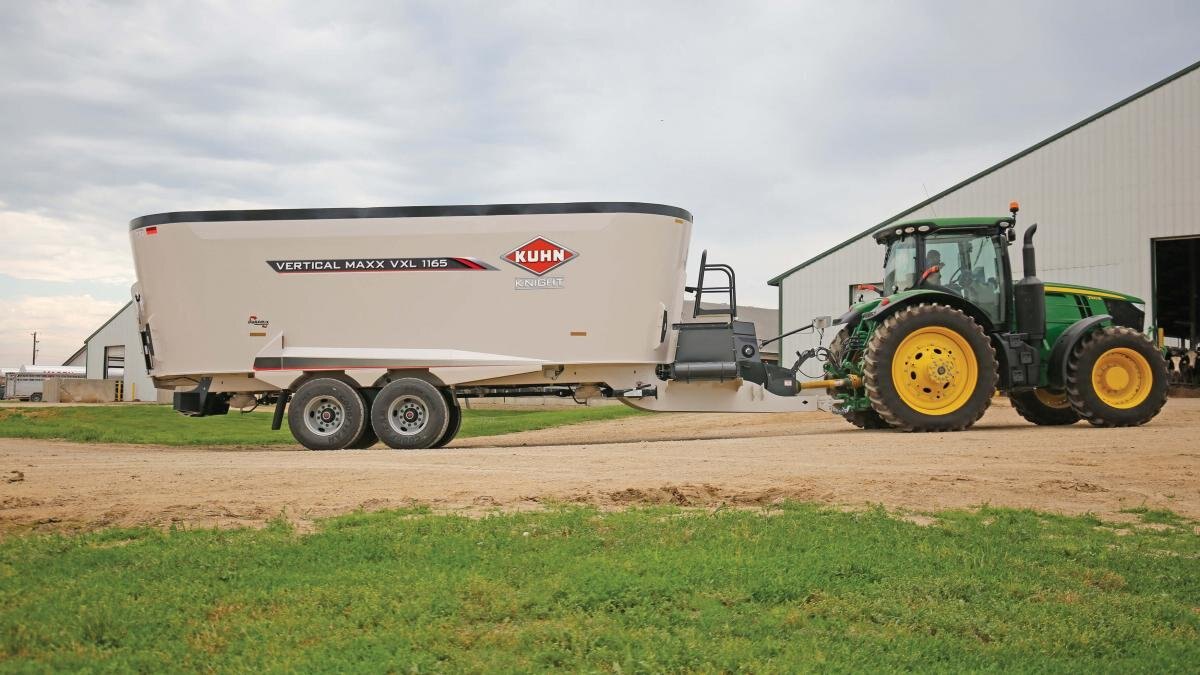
(371,323)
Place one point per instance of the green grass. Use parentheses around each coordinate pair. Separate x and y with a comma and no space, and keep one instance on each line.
(1155,516)
(797,589)
(160,425)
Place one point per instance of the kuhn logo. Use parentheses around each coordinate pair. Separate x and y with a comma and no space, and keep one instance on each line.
(255,321)
(540,256)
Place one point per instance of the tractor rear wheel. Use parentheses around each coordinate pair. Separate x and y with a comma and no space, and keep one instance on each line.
(1043,407)
(1116,378)
(863,419)
(930,368)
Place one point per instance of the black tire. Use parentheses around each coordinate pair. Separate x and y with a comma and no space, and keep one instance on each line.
(367,438)
(1047,409)
(455,422)
(327,414)
(884,393)
(35,398)
(410,414)
(866,419)
(1082,376)
(863,419)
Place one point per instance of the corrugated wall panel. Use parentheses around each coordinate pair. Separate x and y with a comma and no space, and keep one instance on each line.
(1100,195)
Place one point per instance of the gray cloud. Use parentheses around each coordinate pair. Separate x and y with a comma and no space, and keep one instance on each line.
(783,127)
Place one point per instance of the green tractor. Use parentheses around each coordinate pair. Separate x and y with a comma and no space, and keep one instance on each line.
(952,326)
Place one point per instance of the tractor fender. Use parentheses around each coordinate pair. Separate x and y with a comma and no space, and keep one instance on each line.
(882,311)
(1056,371)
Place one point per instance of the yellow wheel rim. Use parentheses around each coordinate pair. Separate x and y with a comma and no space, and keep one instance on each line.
(1051,399)
(1122,378)
(935,371)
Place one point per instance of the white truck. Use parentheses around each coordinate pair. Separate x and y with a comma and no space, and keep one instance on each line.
(369,324)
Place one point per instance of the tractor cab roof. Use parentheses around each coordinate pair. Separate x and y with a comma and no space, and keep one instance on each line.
(887,233)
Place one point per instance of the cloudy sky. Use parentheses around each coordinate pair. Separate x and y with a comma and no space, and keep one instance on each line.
(783,127)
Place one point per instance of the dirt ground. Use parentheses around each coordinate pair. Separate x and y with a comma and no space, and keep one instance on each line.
(685,459)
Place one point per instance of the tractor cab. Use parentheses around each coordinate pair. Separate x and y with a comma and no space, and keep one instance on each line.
(966,257)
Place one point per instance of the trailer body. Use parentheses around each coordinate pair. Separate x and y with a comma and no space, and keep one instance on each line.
(581,299)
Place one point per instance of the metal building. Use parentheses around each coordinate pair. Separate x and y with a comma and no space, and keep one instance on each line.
(1116,196)
(114,352)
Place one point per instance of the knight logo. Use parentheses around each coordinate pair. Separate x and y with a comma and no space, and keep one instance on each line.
(540,255)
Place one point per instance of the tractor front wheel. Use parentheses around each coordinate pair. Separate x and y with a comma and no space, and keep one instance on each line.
(930,368)
(863,419)
(1044,407)
(1116,378)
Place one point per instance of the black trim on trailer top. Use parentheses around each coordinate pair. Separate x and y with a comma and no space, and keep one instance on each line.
(409,212)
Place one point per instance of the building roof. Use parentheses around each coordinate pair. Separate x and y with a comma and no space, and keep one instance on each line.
(991,169)
(76,355)
(105,324)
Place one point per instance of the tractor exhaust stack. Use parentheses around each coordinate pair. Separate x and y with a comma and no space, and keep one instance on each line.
(1030,295)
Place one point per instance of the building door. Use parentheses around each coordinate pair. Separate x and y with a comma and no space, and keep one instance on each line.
(1177,303)
(114,362)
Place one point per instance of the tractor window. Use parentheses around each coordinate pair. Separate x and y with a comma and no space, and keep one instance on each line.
(900,267)
(970,267)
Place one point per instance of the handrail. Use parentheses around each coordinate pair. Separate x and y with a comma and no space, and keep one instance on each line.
(700,289)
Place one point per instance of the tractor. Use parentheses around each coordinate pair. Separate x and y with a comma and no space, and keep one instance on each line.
(951,327)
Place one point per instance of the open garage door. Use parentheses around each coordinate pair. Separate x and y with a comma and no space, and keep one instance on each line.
(1177,303)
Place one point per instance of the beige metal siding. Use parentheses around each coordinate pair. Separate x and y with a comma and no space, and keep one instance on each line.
(1100,194)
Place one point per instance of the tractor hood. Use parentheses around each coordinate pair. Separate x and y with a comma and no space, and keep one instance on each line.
(1074,289)
(869,308)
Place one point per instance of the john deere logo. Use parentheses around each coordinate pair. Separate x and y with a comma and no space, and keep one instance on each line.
(540,255)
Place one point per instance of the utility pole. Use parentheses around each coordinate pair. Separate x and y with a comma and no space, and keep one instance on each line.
(35,349)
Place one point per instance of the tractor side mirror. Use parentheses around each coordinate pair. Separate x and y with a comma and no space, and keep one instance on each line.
(1012,235)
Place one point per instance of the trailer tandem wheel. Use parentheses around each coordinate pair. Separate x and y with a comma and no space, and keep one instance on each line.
(327,414)
(455,420)
(410,414)
(367,438)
